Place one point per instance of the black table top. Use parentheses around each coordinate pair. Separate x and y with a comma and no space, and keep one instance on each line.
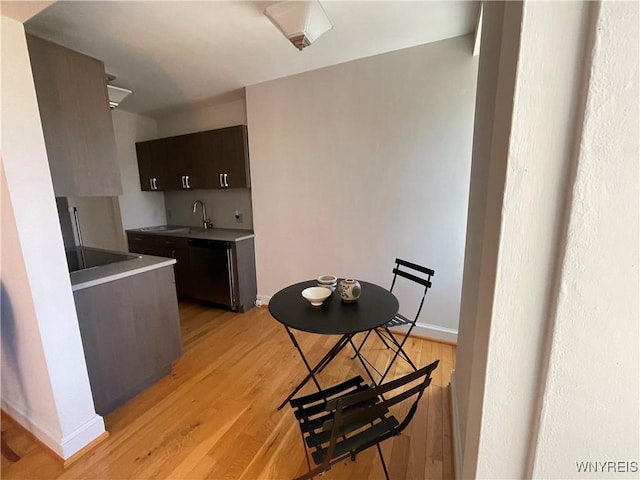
(374,308)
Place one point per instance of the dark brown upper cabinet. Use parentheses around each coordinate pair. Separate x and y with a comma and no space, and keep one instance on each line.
(230,166)
(158,164)
(212,159)
(76,121)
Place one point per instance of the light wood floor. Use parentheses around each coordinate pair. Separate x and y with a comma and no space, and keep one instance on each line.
(215,416)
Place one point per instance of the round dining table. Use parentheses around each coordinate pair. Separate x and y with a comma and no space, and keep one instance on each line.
(375,307)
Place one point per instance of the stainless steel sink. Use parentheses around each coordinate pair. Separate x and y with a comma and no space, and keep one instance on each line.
(165,228)
(175,229)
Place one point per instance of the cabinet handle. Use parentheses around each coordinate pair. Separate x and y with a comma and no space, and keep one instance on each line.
(182,178)
(221,182)
(226,184)
(155,183)
(186,179)
(151,183)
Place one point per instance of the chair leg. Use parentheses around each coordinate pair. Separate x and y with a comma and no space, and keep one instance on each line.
(306,454)
(364,361)
(384,465)
(399,346)
(357,350)
(381,337)
(398,350)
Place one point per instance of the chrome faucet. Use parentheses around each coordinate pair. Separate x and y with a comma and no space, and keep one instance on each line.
(205,221)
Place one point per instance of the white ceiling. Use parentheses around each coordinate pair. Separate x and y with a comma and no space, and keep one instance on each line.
(176,54)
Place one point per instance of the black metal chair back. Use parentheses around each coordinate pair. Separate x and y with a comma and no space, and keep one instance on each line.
(422,276)
(419,275)
(348,418)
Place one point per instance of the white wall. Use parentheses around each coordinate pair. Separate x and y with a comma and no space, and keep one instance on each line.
(137,208)
(494,103)
(356,164)
(45,385)
(25,379)
(196,119)
(591,399)
(558,383)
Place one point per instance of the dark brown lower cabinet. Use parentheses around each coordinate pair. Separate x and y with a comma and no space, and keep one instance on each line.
(202,272)
(130,331)
(168,247)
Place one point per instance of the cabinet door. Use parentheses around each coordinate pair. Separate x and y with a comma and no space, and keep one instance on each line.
(224,155)
(168,164)
(156,165)
(185,162)
(76,120)
(164,154)
(178,248)
(168,247)
(148,180)
(233,157)
(144,244)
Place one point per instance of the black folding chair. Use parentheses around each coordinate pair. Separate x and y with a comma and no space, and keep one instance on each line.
(345,419)
(414,273)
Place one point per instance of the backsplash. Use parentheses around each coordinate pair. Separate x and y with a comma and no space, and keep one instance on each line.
(222,206)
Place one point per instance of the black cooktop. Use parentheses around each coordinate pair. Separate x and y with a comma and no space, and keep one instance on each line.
(81,258)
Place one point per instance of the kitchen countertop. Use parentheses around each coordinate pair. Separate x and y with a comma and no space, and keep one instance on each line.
(222,234)
(91,277)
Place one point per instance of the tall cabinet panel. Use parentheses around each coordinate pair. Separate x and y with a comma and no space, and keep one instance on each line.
(76,120)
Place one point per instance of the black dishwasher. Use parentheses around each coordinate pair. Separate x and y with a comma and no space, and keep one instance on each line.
(212,271)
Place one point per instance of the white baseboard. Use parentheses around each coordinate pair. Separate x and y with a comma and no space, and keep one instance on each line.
(262,300)
(41,432)
(432,332)
(82,436)
(63,447)
(457,441)
(436,332)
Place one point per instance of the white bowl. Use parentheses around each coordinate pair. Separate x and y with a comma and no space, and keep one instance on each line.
(316,295)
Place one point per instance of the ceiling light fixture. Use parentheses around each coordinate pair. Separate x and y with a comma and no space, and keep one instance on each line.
(302,22)
(116,94)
